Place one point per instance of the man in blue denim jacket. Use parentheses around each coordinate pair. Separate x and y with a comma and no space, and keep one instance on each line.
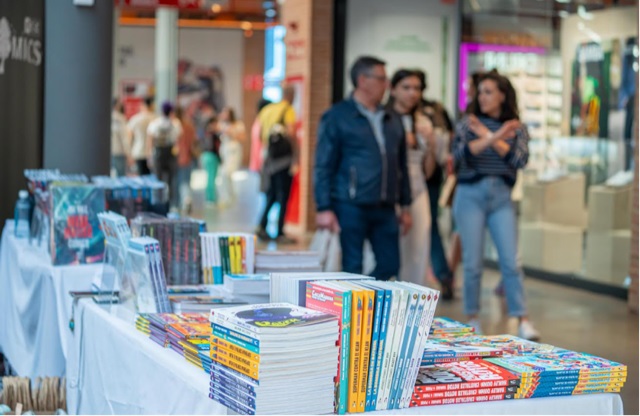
(361,173)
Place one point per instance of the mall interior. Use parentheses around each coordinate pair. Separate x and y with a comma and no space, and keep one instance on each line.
(174,96)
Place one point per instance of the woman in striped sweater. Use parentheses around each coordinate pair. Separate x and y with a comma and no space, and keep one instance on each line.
(490,145)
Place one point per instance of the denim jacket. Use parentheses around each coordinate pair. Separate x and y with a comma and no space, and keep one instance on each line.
(350,165)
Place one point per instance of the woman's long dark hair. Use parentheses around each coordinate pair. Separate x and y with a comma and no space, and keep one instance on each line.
(398,76)
(509,110)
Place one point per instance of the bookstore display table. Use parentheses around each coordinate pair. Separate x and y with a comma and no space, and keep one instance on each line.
(35,306)
(115,369)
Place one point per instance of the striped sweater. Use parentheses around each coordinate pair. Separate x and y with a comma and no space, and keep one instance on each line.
(471,168)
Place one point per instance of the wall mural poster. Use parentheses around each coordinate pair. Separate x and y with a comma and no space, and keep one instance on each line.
(589,98)
(604,88)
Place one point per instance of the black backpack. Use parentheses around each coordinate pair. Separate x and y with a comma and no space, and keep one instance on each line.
(280,145)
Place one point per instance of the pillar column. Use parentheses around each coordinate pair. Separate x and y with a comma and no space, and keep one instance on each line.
(166,56)
(309,42)
(77,87)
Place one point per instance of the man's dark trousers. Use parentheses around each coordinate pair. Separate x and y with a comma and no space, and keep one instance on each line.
(379,225)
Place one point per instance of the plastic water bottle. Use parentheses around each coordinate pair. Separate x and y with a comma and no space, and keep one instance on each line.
(21,215)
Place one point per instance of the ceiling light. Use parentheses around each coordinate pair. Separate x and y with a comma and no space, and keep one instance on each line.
(563,14)
(216,8)
(270,13)
(564,1)
(246,25)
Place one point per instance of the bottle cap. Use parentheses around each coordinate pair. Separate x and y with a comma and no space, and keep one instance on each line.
(23,194)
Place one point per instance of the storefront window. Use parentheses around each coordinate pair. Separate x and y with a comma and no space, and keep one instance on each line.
(574,67)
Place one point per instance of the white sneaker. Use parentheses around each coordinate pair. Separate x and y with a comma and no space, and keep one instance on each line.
(476,324)
(527,331)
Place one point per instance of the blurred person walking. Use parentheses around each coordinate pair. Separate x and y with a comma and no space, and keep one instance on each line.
(421,160)
(361,173)
(163,134)
(280,160)
(119,139)
(138,125)
(210,158)
(233,136)
(489,146)
(442,268)
(187,152)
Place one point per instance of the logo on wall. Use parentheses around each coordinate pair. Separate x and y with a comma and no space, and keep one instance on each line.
(26,47)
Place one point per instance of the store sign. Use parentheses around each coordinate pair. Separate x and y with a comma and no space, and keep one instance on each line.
(154,4)
(20,45)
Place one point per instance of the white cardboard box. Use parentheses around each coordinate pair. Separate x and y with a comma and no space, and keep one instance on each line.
(608,255)
(551,247)
(557,202)
(609,208)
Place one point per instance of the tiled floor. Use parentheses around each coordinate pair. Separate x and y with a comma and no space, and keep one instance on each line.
(566,317)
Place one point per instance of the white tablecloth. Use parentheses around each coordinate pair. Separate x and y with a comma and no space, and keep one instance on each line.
(114,369)
(35,306)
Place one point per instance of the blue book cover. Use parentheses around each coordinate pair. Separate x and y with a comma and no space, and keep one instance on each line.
(384,326)
(410,317)
(375,337)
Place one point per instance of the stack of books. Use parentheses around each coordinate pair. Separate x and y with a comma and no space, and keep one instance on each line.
(155,325)
(384,327)
(563,373)
(463,382)
(180,243)
(200,303)
(132,196)
(145,267)
(447,327)
(191,340)
(288,262)
(250,288)
(273,359)
(226,253)
(292,287)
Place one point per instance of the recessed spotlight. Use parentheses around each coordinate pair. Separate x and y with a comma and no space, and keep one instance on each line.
(563,1)
(270,13)
(216,8)
(246,25)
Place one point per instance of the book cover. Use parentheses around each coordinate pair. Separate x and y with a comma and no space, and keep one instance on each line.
(327,297)
(463,375)
(375,336)
(76,236)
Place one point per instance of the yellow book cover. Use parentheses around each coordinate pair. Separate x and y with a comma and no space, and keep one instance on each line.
(232,254)
(242,256)
(367,328)
(357,312)
(219,342)
(231,355)
(232,364)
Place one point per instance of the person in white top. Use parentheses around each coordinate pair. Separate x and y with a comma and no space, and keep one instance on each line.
(163,133)
(119,148)
(138,146)
(233,134)
(414,246)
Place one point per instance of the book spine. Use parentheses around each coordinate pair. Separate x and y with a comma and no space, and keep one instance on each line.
(421,339)
(457,400)
(343,383)
(217,368)
(236,341)
(231,404)
(414,353)
(231,355)
(231,331)
(232,383)
(218,342)
(505,391)
(355,346)
(384,327)
(416,306)
(231,391)
(234,324)
(390,349)
(367,322)
(379,303)
(239,367)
